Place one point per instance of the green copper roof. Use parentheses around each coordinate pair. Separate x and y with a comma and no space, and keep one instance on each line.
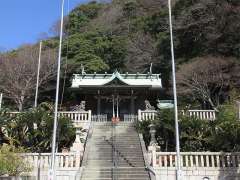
(99,80)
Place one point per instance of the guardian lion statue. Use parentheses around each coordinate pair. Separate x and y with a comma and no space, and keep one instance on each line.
(80,107)
(148,106)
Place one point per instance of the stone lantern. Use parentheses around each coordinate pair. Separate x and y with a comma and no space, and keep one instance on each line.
(152,132)
(77,146)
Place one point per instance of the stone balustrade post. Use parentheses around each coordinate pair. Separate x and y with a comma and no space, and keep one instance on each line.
(78,159)
(139,115)
(152,150)
(89,115)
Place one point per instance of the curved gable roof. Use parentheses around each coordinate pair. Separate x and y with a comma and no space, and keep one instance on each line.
(99,80)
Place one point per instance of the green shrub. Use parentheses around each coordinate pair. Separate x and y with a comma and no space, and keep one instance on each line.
(33,129)
(226,133)
(194,134)
(223,134)
(10,161)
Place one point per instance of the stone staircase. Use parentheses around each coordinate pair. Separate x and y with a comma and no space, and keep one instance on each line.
(114,153)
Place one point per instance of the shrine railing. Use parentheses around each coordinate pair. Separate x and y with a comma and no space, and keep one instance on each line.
(201,114)
(12,114)
(215,160)
(77,116)
(130,118)
(100,118)
(146,115)
(43,160)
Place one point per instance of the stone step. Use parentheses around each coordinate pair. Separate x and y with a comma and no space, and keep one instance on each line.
(129,178)
(128,157)
(124,170)
(110,175)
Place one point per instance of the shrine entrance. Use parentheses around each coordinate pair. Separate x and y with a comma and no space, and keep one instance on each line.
(116,105)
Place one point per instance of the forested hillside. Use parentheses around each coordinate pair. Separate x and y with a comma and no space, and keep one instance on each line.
(128,35)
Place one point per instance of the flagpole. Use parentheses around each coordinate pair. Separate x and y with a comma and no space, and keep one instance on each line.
(38,72)
(179,173)
(52,170)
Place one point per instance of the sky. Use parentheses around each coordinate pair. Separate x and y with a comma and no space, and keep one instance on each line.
(25,21)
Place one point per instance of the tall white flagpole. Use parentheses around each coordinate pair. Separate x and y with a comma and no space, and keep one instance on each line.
(179,173)
(38,72)
(1,97)
(52,169)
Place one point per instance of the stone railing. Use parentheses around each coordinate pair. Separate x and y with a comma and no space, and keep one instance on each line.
(195,165)
(43,160)
(12,114)
(201,114)
(77,116)
(130,118)
(216,160)
(146,115)
(99,118)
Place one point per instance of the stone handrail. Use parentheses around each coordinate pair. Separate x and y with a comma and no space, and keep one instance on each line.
(216,160)
(43,160)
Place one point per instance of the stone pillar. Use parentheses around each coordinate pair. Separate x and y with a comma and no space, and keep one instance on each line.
(153,157)
(139,115)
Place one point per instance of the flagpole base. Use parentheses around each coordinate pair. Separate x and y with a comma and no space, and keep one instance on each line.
(179,175)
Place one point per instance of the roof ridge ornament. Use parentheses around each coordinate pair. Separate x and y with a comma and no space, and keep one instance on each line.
(116,71)
(150,71)
(82,70)
(151,68)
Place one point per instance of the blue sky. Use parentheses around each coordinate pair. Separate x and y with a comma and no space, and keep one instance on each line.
(23,21)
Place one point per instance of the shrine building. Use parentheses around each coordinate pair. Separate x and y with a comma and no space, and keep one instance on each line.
(117,95)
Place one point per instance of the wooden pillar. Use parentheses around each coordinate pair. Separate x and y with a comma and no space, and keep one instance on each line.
(132,104)
(98,103)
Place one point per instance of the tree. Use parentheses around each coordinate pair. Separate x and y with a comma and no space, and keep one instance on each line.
(206,79)
(140,53)
(18,72)
(207,27)
(129,11)
(81,49)
(81,15)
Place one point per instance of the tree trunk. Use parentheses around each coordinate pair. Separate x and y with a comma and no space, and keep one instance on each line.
(212,104)
(20,106)
(20,103)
